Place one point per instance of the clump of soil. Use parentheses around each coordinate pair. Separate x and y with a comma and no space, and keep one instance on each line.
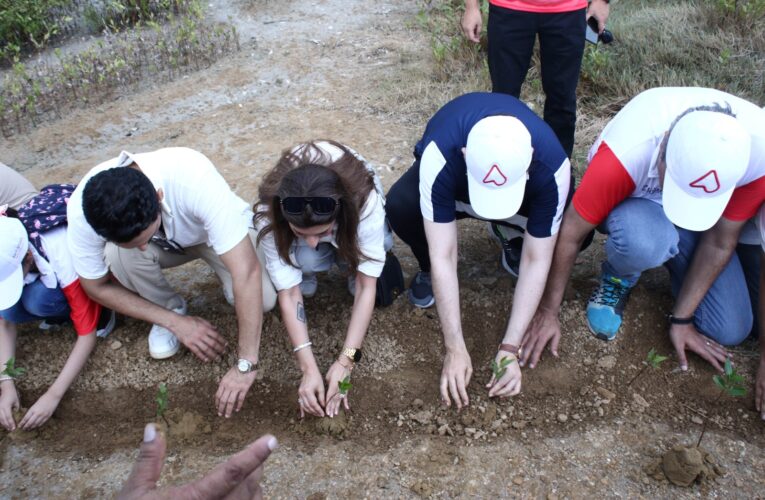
(20,435)
(683,466)
(335,426)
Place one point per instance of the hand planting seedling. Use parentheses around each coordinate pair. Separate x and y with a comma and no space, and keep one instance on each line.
(653,359)
(162,402)
(344,385)
(500,369)
(730,383)
(11,370)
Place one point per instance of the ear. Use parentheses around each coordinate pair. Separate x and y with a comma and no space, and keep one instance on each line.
(160,195)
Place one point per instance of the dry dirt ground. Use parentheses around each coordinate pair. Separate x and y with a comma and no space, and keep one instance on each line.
(358,72)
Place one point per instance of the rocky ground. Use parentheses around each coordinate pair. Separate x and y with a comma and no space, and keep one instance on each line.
(358,72)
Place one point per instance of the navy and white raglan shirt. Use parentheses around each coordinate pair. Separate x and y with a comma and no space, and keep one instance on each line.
(443,172)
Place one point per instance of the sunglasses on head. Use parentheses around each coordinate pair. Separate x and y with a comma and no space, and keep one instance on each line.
(320,205)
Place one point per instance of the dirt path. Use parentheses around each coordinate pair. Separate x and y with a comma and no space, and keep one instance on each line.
(348,70)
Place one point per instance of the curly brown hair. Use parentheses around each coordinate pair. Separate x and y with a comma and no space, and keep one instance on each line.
(309,171)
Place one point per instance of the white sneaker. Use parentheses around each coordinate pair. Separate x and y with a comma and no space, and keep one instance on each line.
(162,343)
(309,285)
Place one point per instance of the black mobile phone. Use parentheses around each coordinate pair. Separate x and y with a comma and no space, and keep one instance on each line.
(591,33)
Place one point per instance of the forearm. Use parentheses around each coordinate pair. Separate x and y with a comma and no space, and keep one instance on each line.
(248,300)
(7,348)
(112,294)
(74,364)
(533,274)
(566,251)
(446,291)
(296,324)
(472,5)
(363,307)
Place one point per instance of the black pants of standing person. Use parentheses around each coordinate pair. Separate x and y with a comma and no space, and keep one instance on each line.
(512,35)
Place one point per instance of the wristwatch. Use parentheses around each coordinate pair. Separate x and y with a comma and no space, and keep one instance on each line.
(353,354)
(512,349)
(245,365)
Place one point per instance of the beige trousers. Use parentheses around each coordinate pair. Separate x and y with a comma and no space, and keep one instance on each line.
(141,272)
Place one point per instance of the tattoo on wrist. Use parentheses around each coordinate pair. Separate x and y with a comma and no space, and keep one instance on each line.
(300,312)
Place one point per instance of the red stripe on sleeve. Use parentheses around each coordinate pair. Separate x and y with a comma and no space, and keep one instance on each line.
(84,310)
(746,200)
(605,184)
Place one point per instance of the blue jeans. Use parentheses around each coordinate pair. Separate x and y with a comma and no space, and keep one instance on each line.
(641,237)
(38,302)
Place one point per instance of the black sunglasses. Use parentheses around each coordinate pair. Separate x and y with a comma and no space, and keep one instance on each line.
(320,205)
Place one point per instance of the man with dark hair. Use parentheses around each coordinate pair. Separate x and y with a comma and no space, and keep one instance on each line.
(137,214)
(672,180)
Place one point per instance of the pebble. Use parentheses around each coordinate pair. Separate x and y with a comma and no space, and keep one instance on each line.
(607,362)
(562,417)
(605,393)
(116,345)
(518,480)
(640,400)
(697,420)
(417,403)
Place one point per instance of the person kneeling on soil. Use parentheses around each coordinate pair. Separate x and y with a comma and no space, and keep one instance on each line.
(322,204)
(38,282)
(140,213)
(485,156)
(672,180)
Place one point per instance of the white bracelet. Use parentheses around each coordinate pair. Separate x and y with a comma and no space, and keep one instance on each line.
(3,378)
(302,346)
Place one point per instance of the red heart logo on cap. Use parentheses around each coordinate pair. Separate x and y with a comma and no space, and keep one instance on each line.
(708,182)
(495,176)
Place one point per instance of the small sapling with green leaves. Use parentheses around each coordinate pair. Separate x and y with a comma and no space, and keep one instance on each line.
(11,370)
(500,368)
(653,359)
(162,402)
(730,383)
(344,385)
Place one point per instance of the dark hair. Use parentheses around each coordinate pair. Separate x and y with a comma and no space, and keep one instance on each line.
(309,171)
(120,203)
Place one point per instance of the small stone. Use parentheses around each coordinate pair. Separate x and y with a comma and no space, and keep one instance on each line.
(588,361)
(607,362)
(697,420)
(605,393)
(562,417)
(116,345)
(417,403)
(519,424)
(518,480)
(640,400)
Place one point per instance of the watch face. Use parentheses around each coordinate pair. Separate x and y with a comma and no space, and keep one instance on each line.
(357,356)
(244,366)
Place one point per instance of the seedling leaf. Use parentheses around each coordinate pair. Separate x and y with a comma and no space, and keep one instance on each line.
(12,370)
(654,360)
(500,369)
(345,385)
(162,401)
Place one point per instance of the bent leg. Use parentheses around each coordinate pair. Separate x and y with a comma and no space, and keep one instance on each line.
(402,205)
(511,35)
(44,302)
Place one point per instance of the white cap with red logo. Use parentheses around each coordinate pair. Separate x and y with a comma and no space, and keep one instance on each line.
(14,244)
(498,154)
(707,154)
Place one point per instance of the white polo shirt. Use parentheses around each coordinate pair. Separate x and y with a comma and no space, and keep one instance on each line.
(198,206)
(371,233)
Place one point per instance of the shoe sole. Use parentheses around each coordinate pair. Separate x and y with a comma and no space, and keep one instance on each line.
(420,306)
(601,336)
(165,354)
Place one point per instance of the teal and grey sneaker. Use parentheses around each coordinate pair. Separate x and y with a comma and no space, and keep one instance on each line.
(606,306)
(421,291)
(511,250)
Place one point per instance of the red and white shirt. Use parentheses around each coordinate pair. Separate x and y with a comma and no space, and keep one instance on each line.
(58,270)
(622,162)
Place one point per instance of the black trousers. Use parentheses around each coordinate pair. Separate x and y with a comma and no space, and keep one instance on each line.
(512,35)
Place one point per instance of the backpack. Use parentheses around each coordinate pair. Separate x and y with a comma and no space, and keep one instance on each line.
(44,212)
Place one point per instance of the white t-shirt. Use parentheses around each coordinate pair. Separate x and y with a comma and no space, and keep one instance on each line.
(198,206)
(371,234)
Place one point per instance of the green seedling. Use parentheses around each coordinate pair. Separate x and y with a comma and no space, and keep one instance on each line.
(500,369)
(162,402)
(653,359)
(345,385)
(730,383)
(11,370)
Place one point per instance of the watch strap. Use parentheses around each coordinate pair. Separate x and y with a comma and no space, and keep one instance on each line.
(680,321)
(512,349)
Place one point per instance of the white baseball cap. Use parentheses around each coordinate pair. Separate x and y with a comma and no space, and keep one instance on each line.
(14,244)
(707,154)
(498,154)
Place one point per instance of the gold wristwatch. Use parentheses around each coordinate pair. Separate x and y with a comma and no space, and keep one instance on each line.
(351,353)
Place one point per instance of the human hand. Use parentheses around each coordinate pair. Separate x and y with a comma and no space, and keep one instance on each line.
(759,387)
(200,336)
(599,9)
(311,393)
(9,401)
(455,377)
(687,337)
(471,23)
(509,384)
(40,412)
(232,390)
(544,329)
(336,373)
(236,478)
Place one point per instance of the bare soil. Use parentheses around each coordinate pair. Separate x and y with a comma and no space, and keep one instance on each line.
(358,72)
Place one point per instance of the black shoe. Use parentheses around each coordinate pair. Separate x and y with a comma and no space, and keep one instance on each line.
(511,250)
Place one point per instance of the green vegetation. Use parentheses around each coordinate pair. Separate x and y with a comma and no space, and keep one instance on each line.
(730,383)
(29,24)
(162,402)
(344,385)
(653,360)
(11,370)
(499,369)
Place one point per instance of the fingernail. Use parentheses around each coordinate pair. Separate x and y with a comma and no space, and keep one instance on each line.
(149,433)
(272,443)
(684,368)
